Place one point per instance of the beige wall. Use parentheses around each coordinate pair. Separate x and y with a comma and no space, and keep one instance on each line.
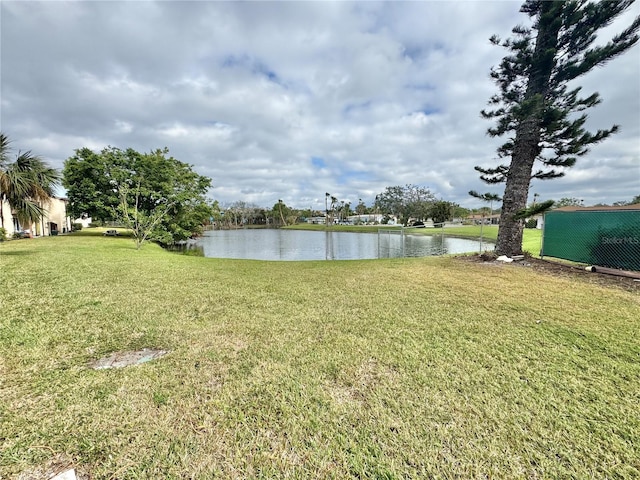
(7,218)
(56,214)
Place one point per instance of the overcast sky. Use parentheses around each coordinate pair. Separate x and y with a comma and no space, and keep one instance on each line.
(276,100)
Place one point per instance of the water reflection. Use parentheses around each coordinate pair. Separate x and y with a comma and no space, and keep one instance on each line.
(276,244)
(328,241)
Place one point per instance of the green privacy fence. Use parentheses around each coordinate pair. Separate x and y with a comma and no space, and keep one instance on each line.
(609,238)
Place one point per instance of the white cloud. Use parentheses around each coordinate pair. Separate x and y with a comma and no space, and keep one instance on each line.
(249,92)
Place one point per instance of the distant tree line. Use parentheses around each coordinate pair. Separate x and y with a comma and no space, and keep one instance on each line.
(406,203)
(412,202)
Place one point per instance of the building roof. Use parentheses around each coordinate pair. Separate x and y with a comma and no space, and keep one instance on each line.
(603,208)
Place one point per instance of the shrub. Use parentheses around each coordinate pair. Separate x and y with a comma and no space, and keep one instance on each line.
(76,227)
(3,234)
(531,223)
(193,251)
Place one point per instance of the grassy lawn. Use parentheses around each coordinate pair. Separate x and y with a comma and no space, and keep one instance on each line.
(394,369)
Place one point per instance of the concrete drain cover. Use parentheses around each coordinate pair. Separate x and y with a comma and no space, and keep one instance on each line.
(124,359)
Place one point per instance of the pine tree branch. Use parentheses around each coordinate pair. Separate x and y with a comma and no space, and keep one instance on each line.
(533,210)
(542,175)
(493,175)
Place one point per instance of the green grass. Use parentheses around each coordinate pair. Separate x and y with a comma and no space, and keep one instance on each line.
(532,241)
(339,228)
(395,368)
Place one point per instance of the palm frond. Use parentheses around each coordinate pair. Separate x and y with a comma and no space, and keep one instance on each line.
(26,184)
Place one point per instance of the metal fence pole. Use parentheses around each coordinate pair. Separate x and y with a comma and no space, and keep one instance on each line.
(544,222)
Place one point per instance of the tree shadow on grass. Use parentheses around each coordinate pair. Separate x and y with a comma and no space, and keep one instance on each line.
(100,233)
(15,253)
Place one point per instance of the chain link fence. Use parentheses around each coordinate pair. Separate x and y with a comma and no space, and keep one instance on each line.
(607,237)
(390,242)
(396,243)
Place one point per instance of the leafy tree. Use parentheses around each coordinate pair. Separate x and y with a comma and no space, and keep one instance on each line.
(233,214)
(344,210)
(115,184)
(391,201)
(536,107)
(216,213)
(27,184)
(255,215)
(141,223)
(333,210)
(282,212)
(486,197)
(568,202)
(460,212)
(405,202)
(635,200)
(361,208)
(441,211)
(87,178)
(241,213)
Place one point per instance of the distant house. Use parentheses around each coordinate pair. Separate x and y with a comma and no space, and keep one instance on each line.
(539,221)
(53,222)
(371,218)
(84,220)
(354,219)
(478,218)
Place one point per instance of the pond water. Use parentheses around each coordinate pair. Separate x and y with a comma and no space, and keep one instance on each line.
(276,244)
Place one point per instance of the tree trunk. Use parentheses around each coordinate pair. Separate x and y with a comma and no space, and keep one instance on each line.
(516,189)
(527,140)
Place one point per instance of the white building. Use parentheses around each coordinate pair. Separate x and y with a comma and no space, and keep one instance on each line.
(84,220)
(53,222)
(370,218)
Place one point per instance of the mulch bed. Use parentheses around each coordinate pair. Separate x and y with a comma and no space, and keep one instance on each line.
(573,272)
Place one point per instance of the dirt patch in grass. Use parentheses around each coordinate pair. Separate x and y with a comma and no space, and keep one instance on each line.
(357,385)
(574,272)
(56,465)
(125,359)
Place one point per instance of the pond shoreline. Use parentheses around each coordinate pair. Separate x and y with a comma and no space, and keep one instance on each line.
(327,244)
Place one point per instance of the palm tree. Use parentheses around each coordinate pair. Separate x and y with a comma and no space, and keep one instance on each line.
(27,184)
(281,216)
(326,208)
